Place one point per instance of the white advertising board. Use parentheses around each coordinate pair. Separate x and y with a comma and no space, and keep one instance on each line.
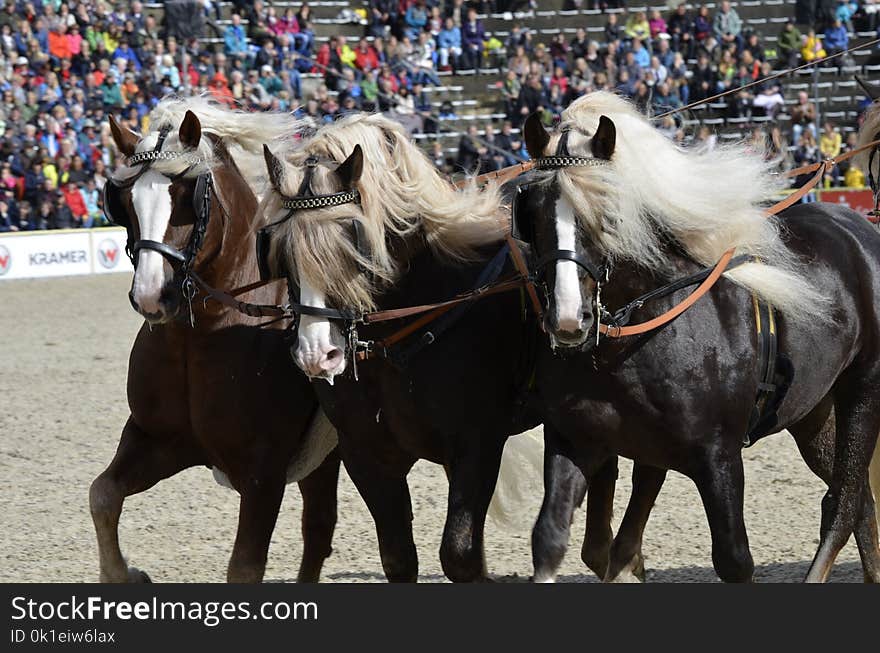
(36,254)
(108,251)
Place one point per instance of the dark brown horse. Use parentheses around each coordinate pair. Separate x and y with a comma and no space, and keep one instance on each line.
(617,212)
(224,392)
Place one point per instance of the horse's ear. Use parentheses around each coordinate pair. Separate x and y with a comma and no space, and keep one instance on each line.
(603,142)
(190,132)
(274,167)
(349,171)
(125,139)
(870,90)
(536,136)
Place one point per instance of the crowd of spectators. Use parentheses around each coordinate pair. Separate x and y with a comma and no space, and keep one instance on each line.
(66,64)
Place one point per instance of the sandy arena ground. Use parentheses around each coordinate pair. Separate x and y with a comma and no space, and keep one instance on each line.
(65,345)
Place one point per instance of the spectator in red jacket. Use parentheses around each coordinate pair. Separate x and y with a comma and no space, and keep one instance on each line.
(365,56)
(74,201)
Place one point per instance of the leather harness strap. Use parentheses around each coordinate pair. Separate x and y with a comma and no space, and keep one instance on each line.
(636,329)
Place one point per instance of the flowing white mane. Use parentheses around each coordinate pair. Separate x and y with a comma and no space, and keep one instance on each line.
(706,201)
(243,133)
(401,192)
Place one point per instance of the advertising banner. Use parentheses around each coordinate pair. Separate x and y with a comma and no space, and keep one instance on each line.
(32,255)
(108,251)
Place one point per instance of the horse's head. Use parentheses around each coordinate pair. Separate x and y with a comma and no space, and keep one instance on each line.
(569,265)
(320,226)
(165,198)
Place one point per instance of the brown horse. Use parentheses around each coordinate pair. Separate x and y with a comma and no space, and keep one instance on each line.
(207,385)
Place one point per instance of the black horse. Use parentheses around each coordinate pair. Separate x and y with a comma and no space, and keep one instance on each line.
(452,391)
(683,396)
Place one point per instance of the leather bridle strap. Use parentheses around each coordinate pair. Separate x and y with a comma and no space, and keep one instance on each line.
(501,176)
(228,300)
(549,258)
(165,250)
(519,262)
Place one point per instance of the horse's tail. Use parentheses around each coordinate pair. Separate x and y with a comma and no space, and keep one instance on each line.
(875,479)
(520,482)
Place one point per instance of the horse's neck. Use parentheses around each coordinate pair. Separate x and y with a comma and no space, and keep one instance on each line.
(231,237)
(426,277)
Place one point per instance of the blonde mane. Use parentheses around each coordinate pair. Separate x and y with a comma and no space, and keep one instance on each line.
(868,132)
(401,192)
(242,132)
(706,201)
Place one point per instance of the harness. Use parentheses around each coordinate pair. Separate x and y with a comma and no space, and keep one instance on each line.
(775,369)
(776,372)
(182,261)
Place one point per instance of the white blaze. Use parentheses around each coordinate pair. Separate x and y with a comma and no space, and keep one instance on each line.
(320,348)
(152,206)
(568,288)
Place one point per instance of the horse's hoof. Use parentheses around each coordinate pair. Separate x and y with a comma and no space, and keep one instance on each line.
(135,575)
(632,572)
(596,560)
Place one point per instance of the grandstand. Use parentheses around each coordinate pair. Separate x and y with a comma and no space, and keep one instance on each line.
(476,97)
(452,104)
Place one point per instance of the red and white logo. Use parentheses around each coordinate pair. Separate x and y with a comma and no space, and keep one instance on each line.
(5,260)
(108,253)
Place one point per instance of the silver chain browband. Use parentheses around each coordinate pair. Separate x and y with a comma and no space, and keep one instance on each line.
(320,201)
(152,155)
(554,162)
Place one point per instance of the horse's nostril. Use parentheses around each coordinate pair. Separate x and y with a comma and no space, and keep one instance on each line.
(332,359)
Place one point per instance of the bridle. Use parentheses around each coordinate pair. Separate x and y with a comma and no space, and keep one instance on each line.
(306,199)
(182,261)
(599,273)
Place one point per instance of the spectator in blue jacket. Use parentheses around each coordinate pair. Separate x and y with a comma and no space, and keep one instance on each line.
(836,37)
(125,52)
(642,56)
(473,36)
(235,40)
(845,11)
(416,18)
(449,43)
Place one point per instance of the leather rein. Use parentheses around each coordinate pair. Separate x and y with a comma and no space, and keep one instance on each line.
(616,328)
(613,327)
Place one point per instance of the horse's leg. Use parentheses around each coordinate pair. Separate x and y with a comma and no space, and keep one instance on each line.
(875,480)
(261,496)
(626,561)
(319,517)
(140,462)
(866,538)
(857,421)
(598,535)
(473,472)
(564,488)
(386,494)
(815,438)
(720,482)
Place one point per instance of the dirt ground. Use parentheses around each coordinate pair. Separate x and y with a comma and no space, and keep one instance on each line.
(65,345)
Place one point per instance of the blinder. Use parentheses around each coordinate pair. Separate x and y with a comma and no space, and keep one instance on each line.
(114,209)
(521,226)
